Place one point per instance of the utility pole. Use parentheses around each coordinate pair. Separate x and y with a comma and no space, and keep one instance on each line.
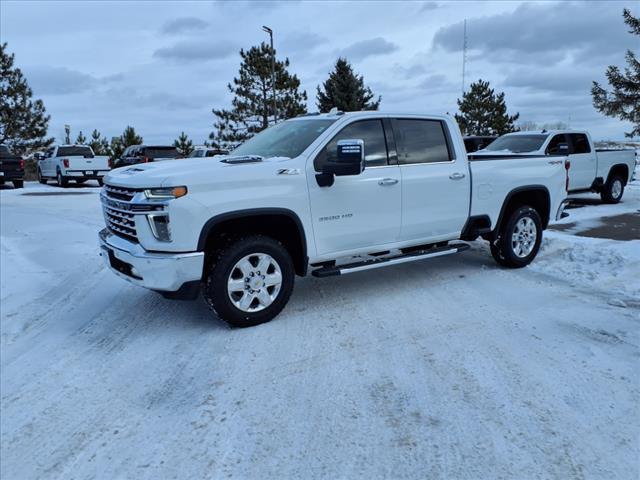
(273,73)
(464,54)
(67,134)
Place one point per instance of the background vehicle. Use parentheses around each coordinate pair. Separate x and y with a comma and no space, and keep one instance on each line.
(11,167)
(604,171)
(72,162)
(335,193)
(146,153)
(476,142)
(200,152)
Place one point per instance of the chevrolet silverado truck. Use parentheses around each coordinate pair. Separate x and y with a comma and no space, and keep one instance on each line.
(325,194)
(72,162)
(604,171)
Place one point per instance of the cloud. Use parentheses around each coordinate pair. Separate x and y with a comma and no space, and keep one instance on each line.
(183,25)
(427,6)
(367,48)
(436,81)
(542,33)
(301,42)
(47,80)
(187,51)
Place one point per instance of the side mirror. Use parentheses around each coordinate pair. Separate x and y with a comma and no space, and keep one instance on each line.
(349,161)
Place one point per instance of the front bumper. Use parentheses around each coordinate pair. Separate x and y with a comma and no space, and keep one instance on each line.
(166,272)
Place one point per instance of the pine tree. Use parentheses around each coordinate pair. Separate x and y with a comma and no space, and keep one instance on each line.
(482,112)
(623,101)
(116,148)
(184,145)
(23,121)
(252,106)
(346,91)
(130,137)
(81,139)
(98,143)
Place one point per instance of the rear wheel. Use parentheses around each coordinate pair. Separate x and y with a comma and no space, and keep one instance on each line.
(613,189)
(519,239)
(18,183)
(41,179)
(62,181)
(249,281)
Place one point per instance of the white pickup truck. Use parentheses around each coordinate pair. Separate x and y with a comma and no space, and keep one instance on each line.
(604,171)
(327,193)
(72,162)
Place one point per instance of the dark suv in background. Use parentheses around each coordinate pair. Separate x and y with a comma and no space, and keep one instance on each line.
(11,167)
(145,153)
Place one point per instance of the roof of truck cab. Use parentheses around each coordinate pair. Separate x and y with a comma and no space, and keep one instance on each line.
(545,132)
(367,113)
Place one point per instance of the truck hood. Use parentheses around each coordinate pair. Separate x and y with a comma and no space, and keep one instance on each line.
(181,172)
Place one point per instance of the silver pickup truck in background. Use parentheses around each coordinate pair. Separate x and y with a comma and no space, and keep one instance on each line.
(606,172)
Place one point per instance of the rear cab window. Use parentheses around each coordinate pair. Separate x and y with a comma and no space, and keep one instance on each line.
(580,143)
(77,151)
(421,141)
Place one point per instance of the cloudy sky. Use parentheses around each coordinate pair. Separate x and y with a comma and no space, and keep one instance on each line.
(162,66)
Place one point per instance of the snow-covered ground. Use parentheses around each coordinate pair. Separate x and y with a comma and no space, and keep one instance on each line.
(443,369)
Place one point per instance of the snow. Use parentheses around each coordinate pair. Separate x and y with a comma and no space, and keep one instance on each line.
(447,368)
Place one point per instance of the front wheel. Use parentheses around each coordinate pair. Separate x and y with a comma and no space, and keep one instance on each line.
(613,190)
(41,179)
(18,183)
(518,241)
(249,281)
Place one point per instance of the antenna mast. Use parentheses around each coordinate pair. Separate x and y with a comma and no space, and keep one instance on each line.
(464,54)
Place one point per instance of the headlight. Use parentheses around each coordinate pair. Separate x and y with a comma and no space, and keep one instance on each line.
(165,193)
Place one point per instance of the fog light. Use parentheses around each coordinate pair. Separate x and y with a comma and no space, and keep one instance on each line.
(160,226)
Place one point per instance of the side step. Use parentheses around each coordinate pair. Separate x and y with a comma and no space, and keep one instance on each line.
(383,262)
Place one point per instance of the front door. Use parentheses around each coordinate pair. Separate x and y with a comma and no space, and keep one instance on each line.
(583,167)
(357,211)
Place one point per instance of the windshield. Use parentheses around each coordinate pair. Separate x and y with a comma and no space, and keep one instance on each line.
(286,139)
(517,143)
(75,152)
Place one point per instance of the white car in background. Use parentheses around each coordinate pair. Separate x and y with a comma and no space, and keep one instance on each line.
(203,151)
(72,162)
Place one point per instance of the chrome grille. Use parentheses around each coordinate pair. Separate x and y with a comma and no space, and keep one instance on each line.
(120,223)
(120,193)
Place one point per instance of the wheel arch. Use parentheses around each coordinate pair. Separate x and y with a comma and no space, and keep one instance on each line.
(281,224)
(536,196)
(621,169)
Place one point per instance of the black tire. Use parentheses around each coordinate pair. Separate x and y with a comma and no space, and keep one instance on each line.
(613,190)
(504,247)
(80,181)
(62,181)
(18,184)
(100,182)
(223,266)
(41,179)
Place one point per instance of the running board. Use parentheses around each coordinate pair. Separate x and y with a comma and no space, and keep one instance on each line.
(383,262)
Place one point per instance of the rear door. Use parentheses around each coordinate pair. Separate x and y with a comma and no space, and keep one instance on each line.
(583,162)
(357,211)
(435,184)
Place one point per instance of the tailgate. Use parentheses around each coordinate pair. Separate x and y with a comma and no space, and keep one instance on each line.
(89,164)
(10,164)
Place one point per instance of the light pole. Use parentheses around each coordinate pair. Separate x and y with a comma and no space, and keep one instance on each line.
(273,73)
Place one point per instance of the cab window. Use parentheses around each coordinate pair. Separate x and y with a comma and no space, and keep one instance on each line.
(580,143)
(421,141)
(375,147)
(554,145)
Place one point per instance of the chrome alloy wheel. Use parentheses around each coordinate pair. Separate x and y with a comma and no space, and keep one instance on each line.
(616,189)
(524,237)
(254,282)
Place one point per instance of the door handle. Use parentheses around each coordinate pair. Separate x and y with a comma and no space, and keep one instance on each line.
(456,176)
(388,181)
